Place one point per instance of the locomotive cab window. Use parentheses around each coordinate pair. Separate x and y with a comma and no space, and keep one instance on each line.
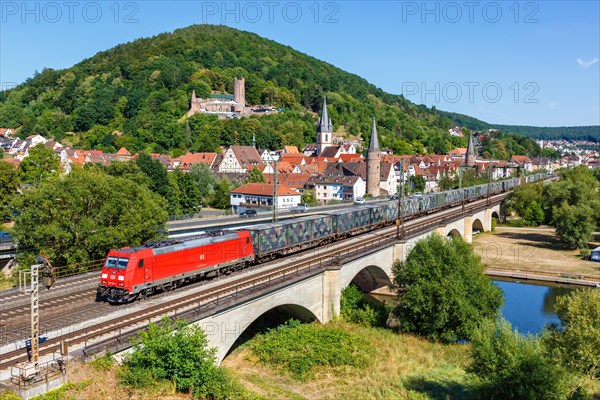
(247,240)
(111,262)
(141,264)
(122,263)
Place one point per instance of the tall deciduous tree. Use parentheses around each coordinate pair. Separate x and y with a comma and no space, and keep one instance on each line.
(574,224)
(41,163)
(442,290)
(79,217)
(9,183)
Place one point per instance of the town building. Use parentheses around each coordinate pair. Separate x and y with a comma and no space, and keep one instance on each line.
(240,159)
(261,195)
(324,130)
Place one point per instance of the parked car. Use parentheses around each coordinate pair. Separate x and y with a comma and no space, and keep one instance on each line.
(359,201)
(395,197)
(248,213)
(300,208)
(6,237)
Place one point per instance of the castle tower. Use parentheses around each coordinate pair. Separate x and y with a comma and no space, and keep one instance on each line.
(373,163)
(470,156)
(324,130)
(239,94)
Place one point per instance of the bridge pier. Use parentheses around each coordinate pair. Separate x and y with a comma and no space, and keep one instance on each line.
(332,294)
(468,235)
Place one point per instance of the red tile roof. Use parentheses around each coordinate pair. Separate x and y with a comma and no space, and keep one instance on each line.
(264,189)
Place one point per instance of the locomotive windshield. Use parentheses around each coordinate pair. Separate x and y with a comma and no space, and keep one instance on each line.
(117,263)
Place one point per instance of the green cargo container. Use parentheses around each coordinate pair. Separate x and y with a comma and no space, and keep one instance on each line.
(268,238)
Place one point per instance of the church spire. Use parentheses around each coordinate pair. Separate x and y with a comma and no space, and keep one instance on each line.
(470,156)
(374,144)
(325,124)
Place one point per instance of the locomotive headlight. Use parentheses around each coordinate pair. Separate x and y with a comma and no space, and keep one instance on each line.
(122,278)
(104,276)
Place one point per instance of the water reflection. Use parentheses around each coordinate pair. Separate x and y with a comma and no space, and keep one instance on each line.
(530,307)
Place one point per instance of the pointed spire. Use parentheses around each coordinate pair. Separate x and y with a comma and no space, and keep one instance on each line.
(325,121)
(470,156)
(254,140)
(374,145)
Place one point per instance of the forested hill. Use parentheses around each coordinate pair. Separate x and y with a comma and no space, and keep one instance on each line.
(136,95)
(591,133)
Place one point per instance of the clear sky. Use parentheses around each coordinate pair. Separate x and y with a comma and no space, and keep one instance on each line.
(506,62)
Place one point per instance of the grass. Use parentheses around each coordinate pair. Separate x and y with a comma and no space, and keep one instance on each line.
(400,367)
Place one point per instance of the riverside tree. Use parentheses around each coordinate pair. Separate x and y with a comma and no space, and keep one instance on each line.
(80,216)
(442,291)
(576,342)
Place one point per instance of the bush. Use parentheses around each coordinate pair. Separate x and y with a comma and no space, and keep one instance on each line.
(577,343)
(103,363)
(513,366)
(177,352)
(354,308)
(302,348)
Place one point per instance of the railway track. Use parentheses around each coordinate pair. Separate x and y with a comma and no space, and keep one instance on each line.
(248,283)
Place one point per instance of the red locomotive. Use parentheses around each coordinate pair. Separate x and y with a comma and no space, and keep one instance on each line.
(139,271)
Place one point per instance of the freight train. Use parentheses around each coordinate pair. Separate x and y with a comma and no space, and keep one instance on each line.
(131,272)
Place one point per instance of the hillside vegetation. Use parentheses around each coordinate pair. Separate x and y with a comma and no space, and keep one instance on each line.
(137,94)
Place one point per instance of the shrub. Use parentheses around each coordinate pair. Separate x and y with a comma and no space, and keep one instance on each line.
(513,366)
(301,348)
(577,343)
(103,363)
(178,352)
(354,308)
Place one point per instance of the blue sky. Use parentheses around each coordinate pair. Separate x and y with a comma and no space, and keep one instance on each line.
(522,63)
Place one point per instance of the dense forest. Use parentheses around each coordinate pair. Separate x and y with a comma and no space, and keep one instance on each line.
(591,133)
(137,94)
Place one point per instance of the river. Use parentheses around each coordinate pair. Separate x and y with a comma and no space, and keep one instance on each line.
(530,307)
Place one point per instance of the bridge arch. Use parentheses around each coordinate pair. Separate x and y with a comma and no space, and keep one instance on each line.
(453,234)
(275,316)
(368,278)
(478,225)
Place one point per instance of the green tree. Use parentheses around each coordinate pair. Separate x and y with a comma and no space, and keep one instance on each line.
(513,366)
(534,214)
(442,290)
(9,184)
(255,176)
(204,179)
(221,196)
(574,224)
(522,197)
(128,170)
(576,342)
(41,163)
(308,197)
(417,182)
(80,216)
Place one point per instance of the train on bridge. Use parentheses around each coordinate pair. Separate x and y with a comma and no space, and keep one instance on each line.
(133,272)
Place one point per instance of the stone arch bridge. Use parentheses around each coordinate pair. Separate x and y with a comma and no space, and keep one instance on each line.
(317,295)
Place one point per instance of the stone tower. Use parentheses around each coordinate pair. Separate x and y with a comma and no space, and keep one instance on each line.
(239,94)
(324,130)
(373,163)
(470,156)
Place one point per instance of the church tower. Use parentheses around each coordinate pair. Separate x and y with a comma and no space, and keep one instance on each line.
(324,130)
(373,163)
(470,156)
(239,94)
